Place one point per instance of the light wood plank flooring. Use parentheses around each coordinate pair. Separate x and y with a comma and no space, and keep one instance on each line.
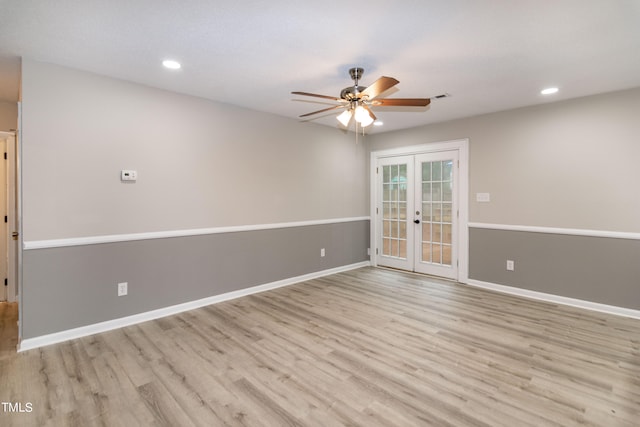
(369,347)
(8,329)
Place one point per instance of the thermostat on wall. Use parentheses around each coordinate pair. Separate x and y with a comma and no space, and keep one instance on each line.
(128,175)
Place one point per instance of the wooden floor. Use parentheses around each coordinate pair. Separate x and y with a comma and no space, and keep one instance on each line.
(369,347)
(8,331)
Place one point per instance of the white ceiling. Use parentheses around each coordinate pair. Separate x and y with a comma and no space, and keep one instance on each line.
(490,55)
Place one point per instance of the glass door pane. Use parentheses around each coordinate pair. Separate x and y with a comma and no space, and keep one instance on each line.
(436,181)
(394,201)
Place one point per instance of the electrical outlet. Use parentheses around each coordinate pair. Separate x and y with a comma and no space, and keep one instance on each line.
(511,265)
(322,252)
(123,289)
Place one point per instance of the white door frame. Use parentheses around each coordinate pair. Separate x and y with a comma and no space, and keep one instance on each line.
(460,145)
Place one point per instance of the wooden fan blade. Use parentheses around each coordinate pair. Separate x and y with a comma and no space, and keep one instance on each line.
(402,102)
(322,111)
(379,86)
(316,95)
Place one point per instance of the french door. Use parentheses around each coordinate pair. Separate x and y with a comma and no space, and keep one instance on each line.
(417,213)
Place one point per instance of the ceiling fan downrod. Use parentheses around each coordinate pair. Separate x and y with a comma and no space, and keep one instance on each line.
(356,73)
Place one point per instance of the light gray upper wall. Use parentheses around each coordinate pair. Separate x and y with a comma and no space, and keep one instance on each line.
(570,164)
(8,116)
(201,164)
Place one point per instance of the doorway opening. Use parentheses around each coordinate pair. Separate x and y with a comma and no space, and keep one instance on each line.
(9,242)
(419,209)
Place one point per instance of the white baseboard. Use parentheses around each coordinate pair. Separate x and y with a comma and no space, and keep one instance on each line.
(109,325)
(556,299)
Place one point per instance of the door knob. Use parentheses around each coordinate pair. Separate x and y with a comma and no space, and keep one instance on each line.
(15,235)
(417,221)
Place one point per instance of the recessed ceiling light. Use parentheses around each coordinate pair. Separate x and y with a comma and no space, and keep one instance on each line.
(549,90)
(378,123)
(170,64)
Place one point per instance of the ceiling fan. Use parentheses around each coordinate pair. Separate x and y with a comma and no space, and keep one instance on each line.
(357,100)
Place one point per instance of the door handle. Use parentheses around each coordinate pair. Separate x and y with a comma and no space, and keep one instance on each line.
(15,235)
(417,221)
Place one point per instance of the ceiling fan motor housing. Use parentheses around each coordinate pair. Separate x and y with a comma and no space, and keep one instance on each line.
(351,93)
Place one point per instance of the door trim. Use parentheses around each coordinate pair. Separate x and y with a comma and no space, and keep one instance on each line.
(460,145)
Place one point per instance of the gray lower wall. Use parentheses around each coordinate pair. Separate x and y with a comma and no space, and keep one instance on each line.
(596,269)
(70,287)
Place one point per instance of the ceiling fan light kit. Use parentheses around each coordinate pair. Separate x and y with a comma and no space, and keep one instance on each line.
(345,117)
(362,116)
(358,100)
